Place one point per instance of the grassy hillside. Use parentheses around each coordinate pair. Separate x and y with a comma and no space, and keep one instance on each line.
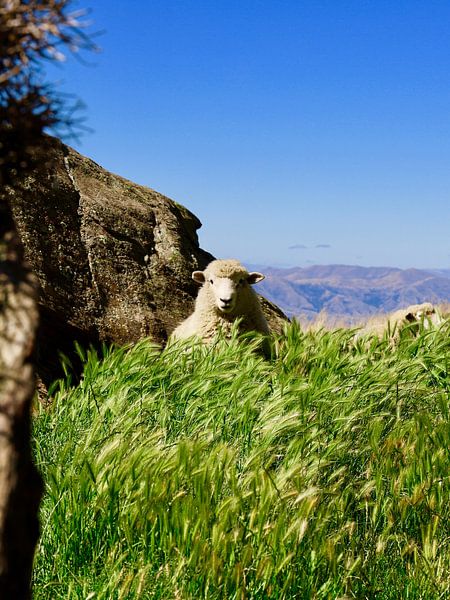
(322,473)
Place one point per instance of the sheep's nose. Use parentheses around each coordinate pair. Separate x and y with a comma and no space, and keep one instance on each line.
(225,300)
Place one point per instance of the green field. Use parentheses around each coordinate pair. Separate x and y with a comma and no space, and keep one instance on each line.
(216,473)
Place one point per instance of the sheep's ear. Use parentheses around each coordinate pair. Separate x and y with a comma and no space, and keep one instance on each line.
(255,278)
(198,276)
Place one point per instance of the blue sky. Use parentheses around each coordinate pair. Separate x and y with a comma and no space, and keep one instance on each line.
(299,132)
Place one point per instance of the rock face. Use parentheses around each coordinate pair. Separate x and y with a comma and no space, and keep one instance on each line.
(114,259)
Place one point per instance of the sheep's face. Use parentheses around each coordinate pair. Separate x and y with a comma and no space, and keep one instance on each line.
(226,290)
(425,314)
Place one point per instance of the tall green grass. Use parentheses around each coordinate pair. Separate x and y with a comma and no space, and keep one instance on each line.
(216,473)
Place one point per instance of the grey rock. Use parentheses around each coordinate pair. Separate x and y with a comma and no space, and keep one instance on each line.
(113,258)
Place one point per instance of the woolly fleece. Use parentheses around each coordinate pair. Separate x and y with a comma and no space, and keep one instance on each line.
(394,323)
(207,320)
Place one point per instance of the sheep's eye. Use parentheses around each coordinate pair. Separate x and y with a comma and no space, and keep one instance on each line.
(241,281)
(211,281)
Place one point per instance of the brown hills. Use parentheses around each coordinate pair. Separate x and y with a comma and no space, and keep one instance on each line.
(352,292)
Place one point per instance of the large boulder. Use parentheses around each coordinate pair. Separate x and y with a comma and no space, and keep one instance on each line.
(113,258)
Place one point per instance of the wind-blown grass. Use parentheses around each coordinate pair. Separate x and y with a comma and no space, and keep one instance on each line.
(214,473)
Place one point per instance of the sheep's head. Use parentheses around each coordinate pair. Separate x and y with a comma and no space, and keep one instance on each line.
(423,313)
(225,280)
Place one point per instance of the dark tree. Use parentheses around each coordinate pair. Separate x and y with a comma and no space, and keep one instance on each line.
(31,31)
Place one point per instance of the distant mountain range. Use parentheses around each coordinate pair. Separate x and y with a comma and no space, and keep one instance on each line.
(352,292)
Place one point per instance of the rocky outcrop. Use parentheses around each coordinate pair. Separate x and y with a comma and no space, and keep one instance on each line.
(114,259)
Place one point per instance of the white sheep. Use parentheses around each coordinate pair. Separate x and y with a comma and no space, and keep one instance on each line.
(225,296)
(411,317)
